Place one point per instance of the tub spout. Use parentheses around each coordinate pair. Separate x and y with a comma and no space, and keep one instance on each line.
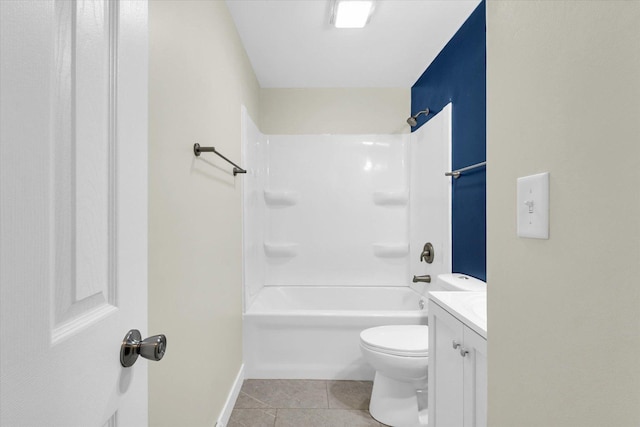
(426,278)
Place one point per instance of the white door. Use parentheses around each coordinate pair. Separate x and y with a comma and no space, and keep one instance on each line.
(73,211)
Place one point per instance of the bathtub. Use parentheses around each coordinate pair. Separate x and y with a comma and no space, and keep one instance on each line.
(298,332)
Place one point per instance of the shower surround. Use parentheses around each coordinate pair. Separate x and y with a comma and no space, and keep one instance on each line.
(339,220)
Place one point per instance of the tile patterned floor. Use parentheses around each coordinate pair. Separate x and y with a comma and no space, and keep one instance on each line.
(303,403)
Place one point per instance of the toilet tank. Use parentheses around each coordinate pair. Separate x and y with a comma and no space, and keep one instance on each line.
(458,282)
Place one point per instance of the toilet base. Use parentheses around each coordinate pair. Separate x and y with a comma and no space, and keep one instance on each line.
(395,403)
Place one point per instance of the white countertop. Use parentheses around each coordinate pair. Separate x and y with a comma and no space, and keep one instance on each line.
(468,307)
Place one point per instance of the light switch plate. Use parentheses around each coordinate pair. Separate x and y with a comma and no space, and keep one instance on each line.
(533,206)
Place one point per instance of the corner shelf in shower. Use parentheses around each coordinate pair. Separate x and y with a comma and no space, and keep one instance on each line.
(391,198)
(281,250)
(391,250)
(280,198)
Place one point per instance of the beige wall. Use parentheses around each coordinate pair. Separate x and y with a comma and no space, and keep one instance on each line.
(563,89)
(199,77)
(335,110)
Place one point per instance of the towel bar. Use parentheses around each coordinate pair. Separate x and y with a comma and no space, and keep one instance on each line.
(456,173)
(197,149)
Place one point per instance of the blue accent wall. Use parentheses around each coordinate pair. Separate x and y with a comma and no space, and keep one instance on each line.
(458,75)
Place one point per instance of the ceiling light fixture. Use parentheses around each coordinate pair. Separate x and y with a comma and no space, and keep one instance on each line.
(351,13)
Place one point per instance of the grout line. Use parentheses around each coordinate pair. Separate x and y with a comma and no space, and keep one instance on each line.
(326,384)
(257,400)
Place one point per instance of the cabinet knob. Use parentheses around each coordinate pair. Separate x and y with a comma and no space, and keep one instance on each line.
(455,344)
(463,352)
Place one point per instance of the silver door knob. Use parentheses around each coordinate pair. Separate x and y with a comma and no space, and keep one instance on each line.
(151,348)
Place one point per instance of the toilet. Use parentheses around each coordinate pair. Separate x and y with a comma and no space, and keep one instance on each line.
(399,354)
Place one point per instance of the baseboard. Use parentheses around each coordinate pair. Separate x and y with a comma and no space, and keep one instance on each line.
(225,414)
(354,372)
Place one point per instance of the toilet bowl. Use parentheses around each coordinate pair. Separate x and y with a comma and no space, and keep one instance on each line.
(400,354)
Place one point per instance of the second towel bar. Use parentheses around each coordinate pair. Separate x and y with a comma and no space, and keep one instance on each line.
(456,173)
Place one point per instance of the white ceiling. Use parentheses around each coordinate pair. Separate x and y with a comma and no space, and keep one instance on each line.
(292,45)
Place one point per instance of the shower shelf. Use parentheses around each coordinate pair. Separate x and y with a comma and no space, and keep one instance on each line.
(391,250)
(281,250)
(280,198)
(391,198)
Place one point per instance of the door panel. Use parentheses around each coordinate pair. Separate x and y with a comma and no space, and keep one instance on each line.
(73,219)
(475,380)
(83,163)
(445,368)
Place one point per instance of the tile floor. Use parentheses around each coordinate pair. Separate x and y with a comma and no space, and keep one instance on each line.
(303,403)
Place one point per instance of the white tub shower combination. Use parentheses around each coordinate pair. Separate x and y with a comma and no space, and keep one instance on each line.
(333,229)
(313,331)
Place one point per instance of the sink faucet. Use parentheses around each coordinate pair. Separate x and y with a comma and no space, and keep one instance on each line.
(426,278)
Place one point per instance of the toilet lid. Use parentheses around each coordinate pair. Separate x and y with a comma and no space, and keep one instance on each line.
(401,340)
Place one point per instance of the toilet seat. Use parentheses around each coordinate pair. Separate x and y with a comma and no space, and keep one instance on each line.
(397,340)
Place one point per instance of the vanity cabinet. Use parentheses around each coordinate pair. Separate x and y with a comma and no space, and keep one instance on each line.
(457,371)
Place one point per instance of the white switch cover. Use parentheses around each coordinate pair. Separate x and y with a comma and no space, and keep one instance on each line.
(533,206)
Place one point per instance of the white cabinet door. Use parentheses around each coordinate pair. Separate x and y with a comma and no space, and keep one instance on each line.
(457,372)
(73,211)
(475,379)
(445,368)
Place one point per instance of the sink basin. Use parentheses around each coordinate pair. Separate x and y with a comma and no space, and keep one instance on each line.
(469,307)
(477,304)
